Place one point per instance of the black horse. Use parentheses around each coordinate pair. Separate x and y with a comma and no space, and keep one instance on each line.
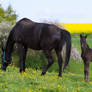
(86,56)
(38,36)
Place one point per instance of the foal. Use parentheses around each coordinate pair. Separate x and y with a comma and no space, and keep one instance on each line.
(86,56)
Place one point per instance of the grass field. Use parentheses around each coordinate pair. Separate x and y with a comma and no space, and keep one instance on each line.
(31,81)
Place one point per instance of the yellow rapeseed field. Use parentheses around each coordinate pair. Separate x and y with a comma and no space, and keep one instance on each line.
(78,27)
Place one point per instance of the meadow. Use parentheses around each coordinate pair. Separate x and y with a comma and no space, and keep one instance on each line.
(72,79)
(32,81)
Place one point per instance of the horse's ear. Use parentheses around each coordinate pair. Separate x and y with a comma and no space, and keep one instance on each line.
(80,35)
(86,36)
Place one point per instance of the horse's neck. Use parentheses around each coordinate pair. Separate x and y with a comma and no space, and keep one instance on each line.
(85,47)
(8,51)
(9,46)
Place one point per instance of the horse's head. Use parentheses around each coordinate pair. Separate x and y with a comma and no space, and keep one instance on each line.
(4,62)
(83,37)
(83,40)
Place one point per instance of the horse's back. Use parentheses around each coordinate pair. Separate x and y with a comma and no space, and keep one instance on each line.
(37,35)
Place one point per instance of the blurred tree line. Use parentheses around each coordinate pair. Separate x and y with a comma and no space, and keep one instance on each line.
(8,18)
(7,14)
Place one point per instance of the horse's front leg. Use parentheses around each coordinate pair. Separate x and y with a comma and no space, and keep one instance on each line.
(86,71)
(50,61)
(22,56)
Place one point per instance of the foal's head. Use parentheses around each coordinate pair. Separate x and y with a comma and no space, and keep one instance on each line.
(83,41)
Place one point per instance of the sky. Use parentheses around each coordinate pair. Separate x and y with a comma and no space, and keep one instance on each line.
(63,11)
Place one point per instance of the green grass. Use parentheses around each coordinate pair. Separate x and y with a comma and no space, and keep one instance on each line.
(31,81)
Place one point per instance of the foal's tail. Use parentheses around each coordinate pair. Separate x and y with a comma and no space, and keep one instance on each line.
(68,48)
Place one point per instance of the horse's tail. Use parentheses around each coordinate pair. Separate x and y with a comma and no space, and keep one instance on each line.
(68,48)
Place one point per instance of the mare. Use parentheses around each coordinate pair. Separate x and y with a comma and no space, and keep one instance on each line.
(86,56)
(38,36)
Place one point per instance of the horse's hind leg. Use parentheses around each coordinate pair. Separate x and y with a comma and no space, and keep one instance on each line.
(86,71)
(60,60)
(22,56)
(50,61)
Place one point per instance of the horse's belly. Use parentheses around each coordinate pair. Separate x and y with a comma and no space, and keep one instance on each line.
(34,46)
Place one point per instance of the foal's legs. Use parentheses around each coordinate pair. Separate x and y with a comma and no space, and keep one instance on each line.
(60,60)
(22,56)
(86,71)
(50,61)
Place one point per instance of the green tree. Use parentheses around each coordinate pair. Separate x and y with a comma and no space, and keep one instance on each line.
(2,14)
(7,19)
(8,15)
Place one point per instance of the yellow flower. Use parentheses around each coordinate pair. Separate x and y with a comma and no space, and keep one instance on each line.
(29,91)
(90,82)
(25,73)
(73,90)
(59,86)
(78,89)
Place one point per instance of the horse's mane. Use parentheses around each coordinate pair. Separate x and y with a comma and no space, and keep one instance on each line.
(26,21)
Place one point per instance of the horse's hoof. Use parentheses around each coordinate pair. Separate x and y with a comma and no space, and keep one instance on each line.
(59,75)
(86,80)
(42,74)
(3,69)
